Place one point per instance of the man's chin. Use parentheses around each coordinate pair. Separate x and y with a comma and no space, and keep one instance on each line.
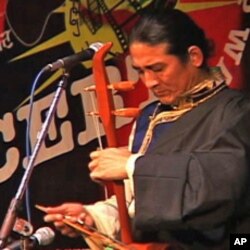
(167,101)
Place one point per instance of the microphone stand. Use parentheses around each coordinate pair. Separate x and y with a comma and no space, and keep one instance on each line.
(15,203)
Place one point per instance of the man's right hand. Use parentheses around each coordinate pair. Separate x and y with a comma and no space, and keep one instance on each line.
(71,211)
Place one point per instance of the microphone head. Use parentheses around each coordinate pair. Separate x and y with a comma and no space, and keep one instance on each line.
(70,61)
(44,236)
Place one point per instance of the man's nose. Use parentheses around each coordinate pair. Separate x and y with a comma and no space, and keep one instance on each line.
(150,79)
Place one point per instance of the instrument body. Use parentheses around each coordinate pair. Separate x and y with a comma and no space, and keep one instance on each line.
(105,111)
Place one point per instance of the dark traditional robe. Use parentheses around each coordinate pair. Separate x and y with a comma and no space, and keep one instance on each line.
(193,184)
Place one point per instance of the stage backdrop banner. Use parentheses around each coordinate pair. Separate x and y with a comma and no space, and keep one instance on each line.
(34,33)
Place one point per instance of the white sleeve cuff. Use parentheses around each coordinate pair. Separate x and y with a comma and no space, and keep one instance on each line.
(106,217)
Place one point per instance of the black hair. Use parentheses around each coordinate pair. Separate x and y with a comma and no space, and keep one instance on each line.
(173,27)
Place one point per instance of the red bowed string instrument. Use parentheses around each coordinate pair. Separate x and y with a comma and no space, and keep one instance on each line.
(107,113)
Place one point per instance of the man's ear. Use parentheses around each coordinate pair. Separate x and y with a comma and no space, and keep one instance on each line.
(195,55)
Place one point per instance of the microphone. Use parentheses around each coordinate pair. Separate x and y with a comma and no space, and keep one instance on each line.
(42,237)
(72,60)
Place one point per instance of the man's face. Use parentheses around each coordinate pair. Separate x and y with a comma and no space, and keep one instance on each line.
(164,74)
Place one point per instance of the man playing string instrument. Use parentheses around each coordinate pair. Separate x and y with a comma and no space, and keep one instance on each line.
(187,165)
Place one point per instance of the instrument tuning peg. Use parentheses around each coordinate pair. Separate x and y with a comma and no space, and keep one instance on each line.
(126,112)
(119,86)
(122,86)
